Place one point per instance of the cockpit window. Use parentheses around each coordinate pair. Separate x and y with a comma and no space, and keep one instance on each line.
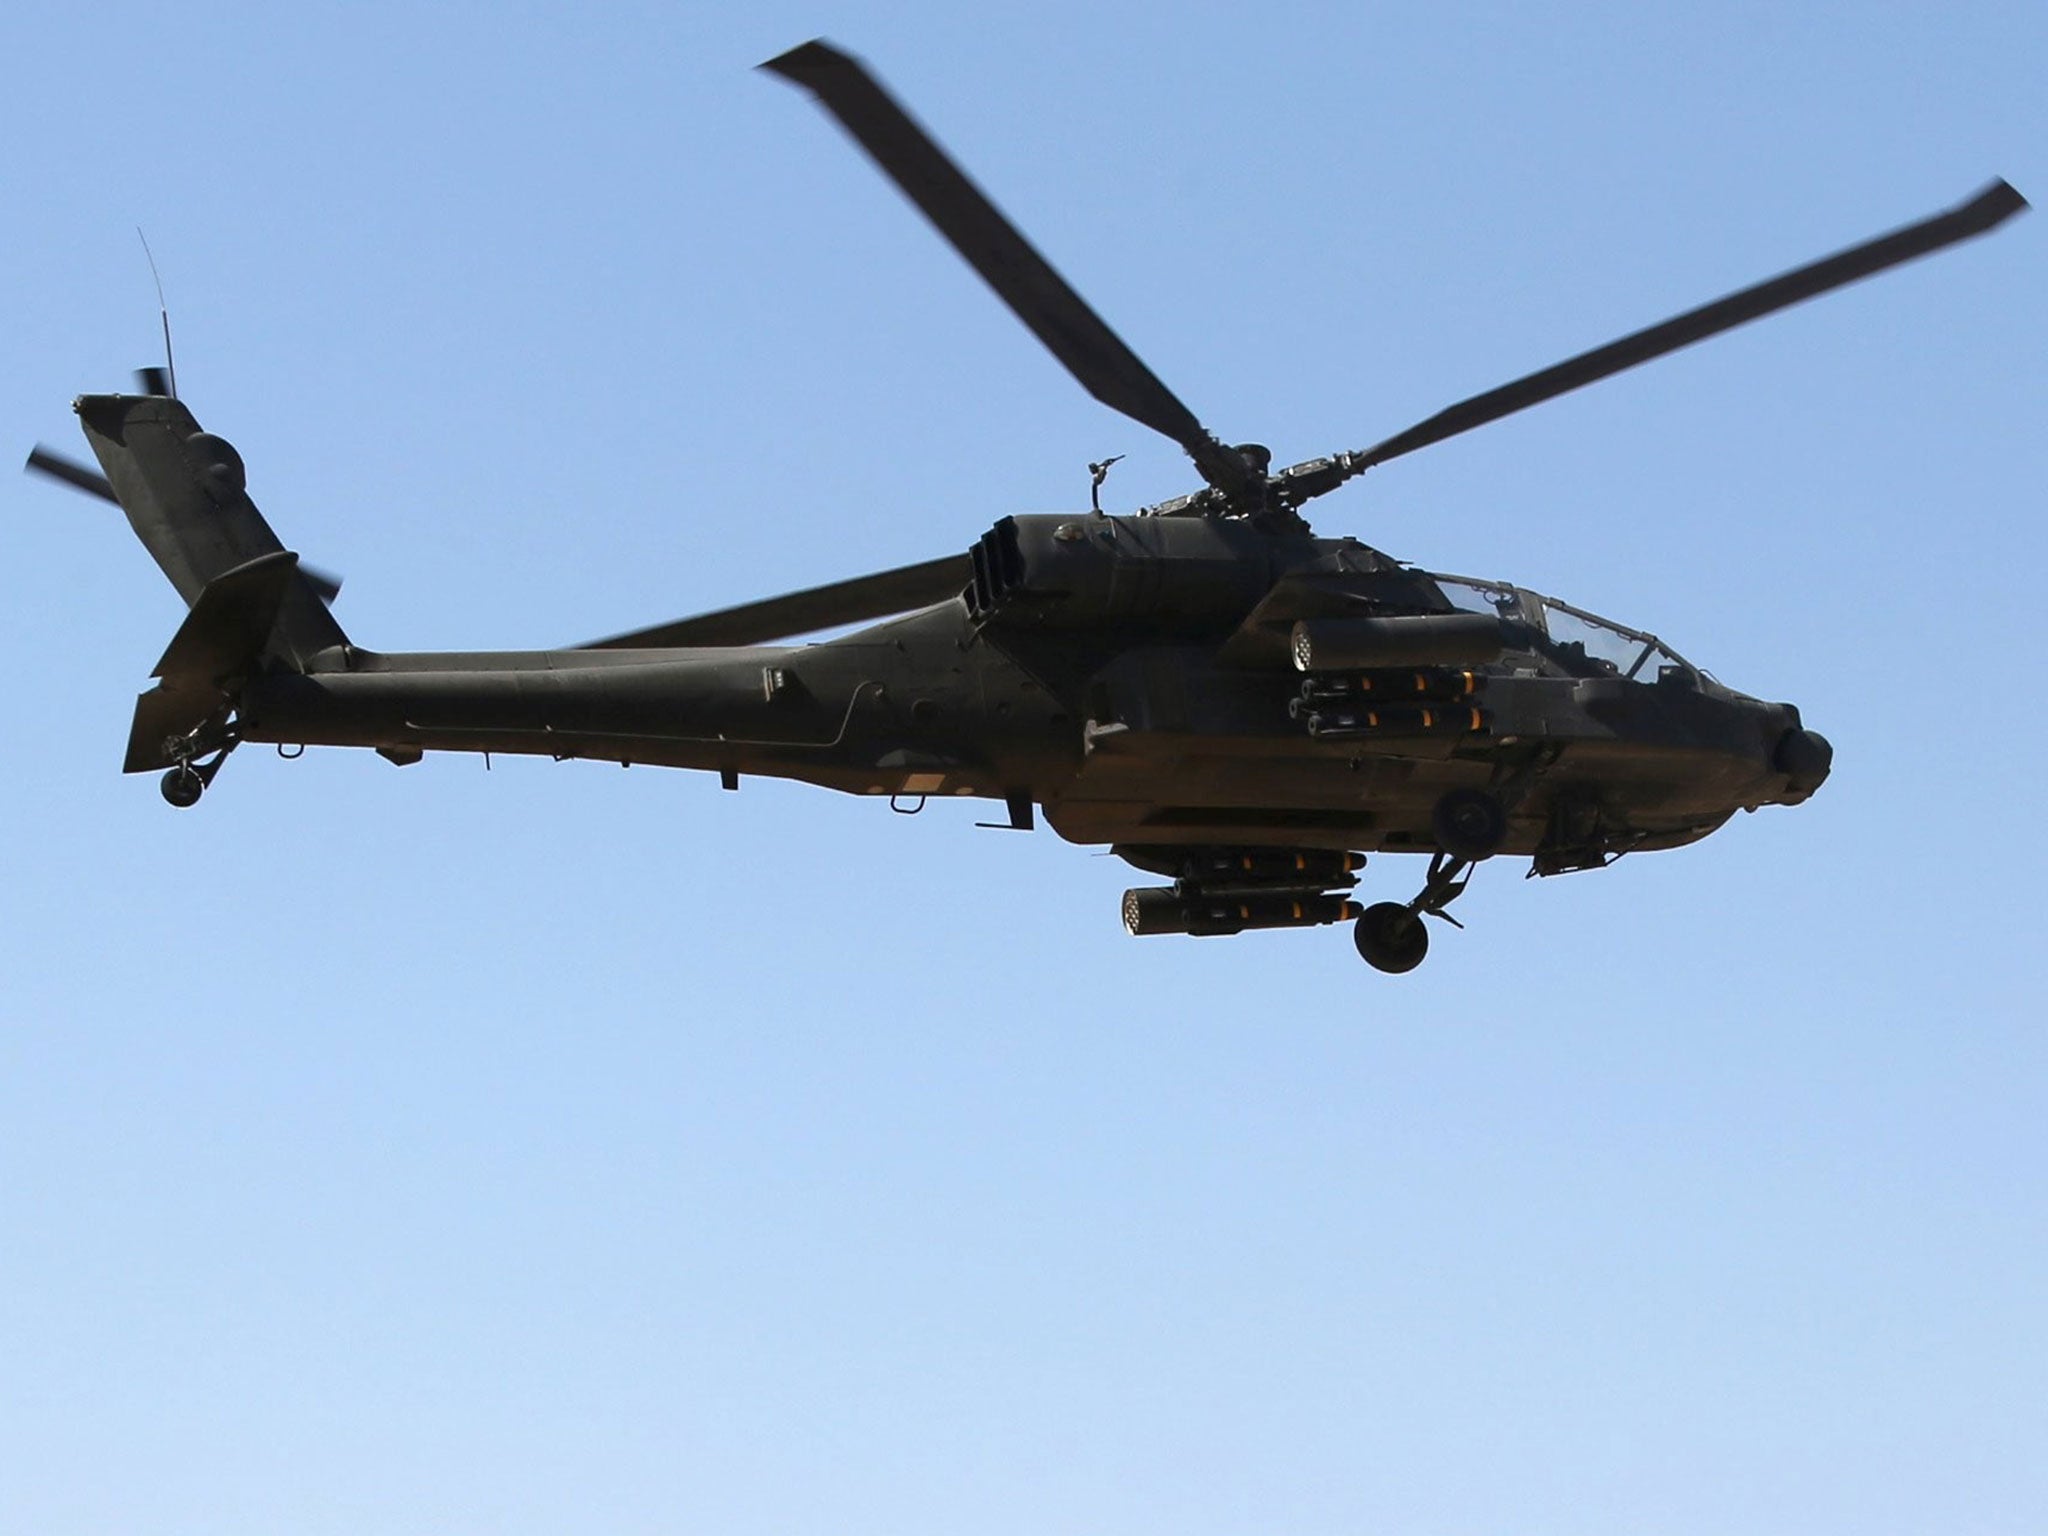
(1611,648)
(1497,598)
(1583,644)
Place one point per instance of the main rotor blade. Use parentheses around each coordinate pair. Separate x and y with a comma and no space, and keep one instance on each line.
(1057,315)
(1988,209)
(799,613)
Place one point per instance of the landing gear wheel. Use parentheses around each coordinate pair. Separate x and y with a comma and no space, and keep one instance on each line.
(183,787)
(1391,937)
(1469,824)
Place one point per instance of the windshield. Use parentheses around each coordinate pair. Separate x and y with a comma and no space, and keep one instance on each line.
(1585,644)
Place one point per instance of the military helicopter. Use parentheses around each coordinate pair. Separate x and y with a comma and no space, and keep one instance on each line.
(1232,704)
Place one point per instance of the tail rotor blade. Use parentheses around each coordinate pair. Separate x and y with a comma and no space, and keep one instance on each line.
(46,461)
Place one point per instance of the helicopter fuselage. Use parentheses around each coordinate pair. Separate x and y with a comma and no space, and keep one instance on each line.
(1135,678)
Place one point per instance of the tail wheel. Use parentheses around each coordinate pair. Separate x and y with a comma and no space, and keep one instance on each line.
(183,786)
(1390,937)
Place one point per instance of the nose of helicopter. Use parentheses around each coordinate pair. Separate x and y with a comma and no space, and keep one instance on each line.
(1804,757)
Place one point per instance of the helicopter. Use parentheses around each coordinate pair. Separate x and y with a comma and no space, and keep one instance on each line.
(1234,705)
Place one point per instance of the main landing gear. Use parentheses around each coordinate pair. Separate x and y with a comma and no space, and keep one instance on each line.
(1391,935)
(1470,825)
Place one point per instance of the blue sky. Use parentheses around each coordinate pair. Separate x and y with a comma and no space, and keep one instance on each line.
(452,1150)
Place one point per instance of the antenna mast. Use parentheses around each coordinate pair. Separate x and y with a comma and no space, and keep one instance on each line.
(163,311)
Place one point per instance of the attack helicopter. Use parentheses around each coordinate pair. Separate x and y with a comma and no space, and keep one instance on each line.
(1231,703)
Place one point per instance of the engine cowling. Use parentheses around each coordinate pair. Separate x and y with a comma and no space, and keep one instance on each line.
(1177,575)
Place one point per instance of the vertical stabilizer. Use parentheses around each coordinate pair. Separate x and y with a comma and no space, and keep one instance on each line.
(184,492)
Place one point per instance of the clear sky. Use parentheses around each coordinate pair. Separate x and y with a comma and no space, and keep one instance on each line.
(566,1148)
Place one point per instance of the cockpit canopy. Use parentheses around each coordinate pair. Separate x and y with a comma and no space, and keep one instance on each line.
(1582,643)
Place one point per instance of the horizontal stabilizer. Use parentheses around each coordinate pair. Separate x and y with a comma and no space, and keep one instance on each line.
(161,718)
(230,623)
(222,641)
